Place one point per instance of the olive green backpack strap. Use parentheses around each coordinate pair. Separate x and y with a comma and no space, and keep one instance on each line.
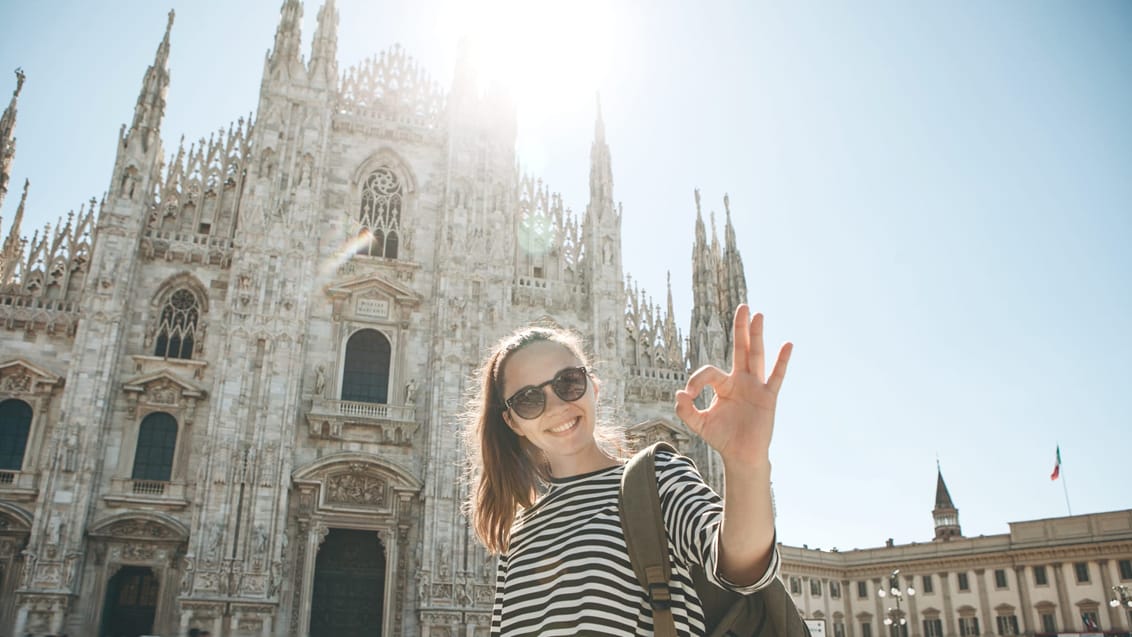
(643,524)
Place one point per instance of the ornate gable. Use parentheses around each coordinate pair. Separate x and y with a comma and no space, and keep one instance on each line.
(130,526)
(655,430)
(19,377)
(351,484)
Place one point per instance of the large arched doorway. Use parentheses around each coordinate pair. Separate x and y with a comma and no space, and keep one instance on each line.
(349,585)
(131,603)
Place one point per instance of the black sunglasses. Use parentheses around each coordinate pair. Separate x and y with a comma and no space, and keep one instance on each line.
(529,402)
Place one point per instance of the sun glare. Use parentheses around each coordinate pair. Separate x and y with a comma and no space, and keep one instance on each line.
(551,57)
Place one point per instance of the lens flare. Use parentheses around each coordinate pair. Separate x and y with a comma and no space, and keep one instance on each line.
(348,249)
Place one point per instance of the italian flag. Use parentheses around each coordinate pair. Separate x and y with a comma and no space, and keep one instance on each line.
(1056,467)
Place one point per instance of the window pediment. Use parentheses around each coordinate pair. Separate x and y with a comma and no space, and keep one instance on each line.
(373,298)
(21,377)
(163,390)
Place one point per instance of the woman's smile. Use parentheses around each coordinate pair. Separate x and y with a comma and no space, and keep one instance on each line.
(566,426)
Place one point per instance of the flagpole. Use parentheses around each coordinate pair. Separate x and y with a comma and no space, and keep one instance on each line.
(1064,484)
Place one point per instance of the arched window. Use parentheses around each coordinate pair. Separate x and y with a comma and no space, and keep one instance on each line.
(365,375)
(382,197)
(176,330)
(157,440)
(15,423)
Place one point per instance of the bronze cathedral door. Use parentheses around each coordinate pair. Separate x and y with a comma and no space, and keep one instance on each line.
(131,602)
(349,585)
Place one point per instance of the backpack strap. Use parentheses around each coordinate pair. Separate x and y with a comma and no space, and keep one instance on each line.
(645,535)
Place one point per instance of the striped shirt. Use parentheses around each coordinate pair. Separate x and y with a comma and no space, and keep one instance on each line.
(567,569)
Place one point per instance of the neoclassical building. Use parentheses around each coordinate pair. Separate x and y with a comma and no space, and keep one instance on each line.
(231,389)
(1044,577)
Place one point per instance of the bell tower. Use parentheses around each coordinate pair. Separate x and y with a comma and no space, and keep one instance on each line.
(945,514)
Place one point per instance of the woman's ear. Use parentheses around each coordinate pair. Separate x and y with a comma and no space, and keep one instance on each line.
(511,423)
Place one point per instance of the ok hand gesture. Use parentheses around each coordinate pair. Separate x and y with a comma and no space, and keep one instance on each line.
(740,419)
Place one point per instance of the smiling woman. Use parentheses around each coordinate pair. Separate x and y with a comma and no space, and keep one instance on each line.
(545,488)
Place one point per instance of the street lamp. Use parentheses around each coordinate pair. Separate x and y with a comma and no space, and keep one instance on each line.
(895,617)
(1122,598)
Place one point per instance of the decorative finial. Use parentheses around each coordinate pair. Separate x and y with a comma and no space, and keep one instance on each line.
(20,77)
(727,204)
(169,25)
(697,191)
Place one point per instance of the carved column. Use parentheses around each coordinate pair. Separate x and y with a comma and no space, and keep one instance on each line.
(1024,599)
(1067,618)
(984,601)
(299,578)
(1114,613)
(948,610)
(879,628)
(388,540)
(313,542)
(913,612)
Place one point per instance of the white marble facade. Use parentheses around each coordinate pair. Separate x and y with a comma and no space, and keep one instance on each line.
(222,295)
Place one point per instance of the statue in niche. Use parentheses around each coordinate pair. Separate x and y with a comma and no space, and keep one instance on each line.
(212,542)
(319,380)
(276,578)
(187,576)
(260,539)
(70,452)
(411,392)
(54,529)
(445,560)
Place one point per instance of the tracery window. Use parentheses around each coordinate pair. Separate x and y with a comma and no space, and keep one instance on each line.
(177,327)
(157,440)
(15,423)
(365,373)
(383,195)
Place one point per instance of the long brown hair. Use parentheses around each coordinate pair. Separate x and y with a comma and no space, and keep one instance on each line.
(505,469)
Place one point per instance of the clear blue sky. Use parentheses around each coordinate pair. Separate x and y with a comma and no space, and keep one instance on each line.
(933,201)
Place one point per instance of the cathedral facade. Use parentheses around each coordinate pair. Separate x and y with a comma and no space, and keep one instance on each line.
(232,390)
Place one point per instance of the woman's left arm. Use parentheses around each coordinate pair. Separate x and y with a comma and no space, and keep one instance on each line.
(738,424)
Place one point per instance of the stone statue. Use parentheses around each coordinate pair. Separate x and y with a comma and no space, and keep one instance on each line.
(319,380)
(70,452)
(411,392)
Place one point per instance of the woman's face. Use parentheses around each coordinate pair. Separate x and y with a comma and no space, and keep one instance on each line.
(564,431)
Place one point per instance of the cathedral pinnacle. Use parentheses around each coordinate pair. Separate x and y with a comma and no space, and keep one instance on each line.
(601,167)
(324,48)
(151,100)
(284,55)
(735,279)
(599,124)
(10,250)
(7,136)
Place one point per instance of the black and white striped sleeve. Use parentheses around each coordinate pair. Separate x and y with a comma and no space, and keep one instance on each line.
(497,608)
(693,513)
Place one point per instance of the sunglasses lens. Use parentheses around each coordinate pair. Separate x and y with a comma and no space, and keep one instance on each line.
(570,384)
(529,403)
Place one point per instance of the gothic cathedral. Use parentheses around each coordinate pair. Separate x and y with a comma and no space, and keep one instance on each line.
(231,391)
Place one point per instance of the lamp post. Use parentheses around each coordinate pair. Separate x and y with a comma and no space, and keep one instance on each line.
(1122,600)
(897,624)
